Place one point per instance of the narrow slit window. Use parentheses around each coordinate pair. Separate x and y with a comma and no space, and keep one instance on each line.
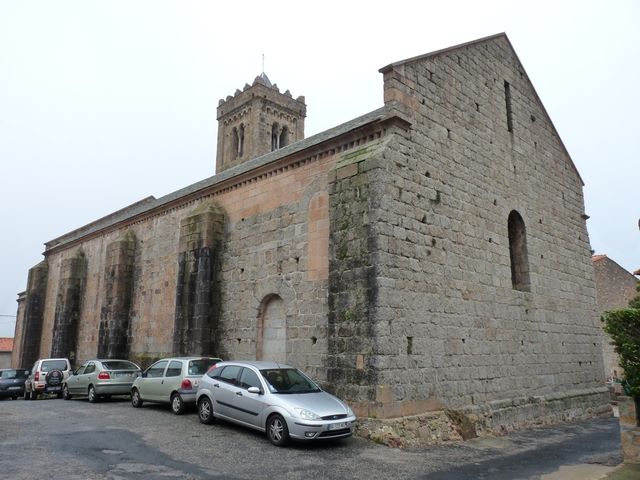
(518,252)
(241,140)
(507,99)
(235,140)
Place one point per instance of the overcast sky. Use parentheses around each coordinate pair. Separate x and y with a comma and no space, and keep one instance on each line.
(105,103)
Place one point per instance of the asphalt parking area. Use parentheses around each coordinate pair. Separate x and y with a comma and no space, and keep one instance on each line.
(111,440)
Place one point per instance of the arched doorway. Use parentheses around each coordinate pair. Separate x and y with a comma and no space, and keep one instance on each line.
(272,330)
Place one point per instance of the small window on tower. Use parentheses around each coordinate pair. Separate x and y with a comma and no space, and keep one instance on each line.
(275,137)
(240,139)
(284,137)
(235,142)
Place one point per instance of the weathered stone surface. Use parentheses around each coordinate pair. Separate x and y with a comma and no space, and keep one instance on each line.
(198,287)
(30,322)
(113,335)
(68,306)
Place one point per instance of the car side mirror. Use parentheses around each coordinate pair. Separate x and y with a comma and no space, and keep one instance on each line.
(144,374)
(254,390)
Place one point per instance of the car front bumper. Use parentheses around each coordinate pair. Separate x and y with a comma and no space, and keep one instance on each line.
(320,429)
(12,391)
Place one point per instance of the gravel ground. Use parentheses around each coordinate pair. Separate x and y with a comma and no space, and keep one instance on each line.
(111,440)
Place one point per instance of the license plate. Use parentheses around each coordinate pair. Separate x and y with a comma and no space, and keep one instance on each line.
(338,426)
(54,389)
(15,388)
(123,374)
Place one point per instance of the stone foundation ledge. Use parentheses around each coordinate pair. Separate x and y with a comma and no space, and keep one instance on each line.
(493,418)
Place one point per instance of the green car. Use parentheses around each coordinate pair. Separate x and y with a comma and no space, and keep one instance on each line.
(98,379)
(171,380)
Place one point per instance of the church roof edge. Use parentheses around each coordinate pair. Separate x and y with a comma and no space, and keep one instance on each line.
(151,203)
(417,58)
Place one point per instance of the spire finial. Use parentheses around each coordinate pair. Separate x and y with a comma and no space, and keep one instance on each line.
(263,63)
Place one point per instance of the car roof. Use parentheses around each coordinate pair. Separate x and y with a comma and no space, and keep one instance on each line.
(108,360)
(259,364)
(199,357)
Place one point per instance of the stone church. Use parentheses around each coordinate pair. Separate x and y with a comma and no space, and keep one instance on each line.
(431,254)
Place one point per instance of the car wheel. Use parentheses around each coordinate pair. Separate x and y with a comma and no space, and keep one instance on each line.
(15,397)
(177,405)
(277,430)
(65,393)
(205,410)
(93,396)
(136,401)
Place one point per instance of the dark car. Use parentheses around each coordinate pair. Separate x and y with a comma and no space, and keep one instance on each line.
(12,382)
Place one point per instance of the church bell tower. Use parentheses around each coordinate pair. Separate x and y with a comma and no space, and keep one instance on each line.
(257,120)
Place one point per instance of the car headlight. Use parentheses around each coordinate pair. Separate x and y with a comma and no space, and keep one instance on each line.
(349,411)
(306,414)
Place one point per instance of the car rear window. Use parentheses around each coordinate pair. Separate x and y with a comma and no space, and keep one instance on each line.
(119,365)
(201,365)
(13,374)
(49,365)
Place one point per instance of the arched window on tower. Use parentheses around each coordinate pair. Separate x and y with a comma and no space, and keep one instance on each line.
(235,140)
(518,252)
(275,137)
(284,137)
(240,139)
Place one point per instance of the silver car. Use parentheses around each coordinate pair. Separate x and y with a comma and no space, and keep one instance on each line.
(101,378)
(171,380)
(273,398)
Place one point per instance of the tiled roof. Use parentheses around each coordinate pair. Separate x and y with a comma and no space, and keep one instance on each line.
(6,344)
(595,258)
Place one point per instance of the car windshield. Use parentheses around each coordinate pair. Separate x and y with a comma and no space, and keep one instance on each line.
(10,374)
(49,365)
(119,365)
(201,365)
(288,380)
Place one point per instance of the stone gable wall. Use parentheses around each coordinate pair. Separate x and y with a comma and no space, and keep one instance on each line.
(451,329)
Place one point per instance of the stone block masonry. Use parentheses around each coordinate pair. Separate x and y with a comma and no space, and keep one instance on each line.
(452,324)
(32,317)
(113,335)
(198,287)
(68,305)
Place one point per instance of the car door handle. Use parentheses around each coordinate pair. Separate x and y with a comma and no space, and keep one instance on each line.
(239,394)
(217,385)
